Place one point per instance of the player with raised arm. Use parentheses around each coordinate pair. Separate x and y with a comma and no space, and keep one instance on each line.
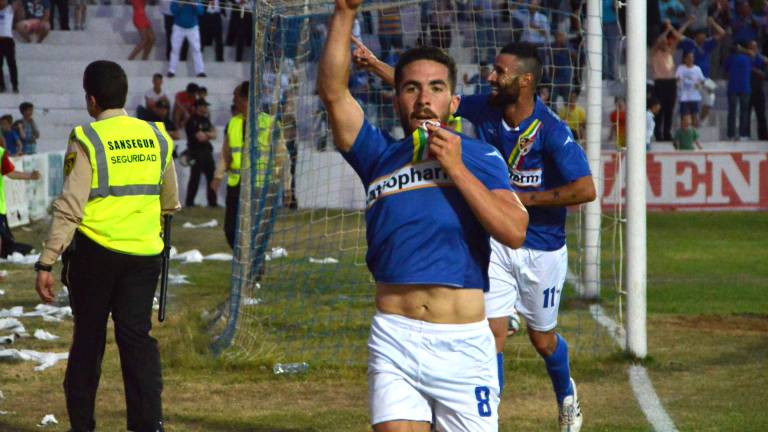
(433,198)
(549,171)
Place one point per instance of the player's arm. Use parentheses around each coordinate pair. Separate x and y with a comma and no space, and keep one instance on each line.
(580,191)
(344,114)
(365,59)
(499,211)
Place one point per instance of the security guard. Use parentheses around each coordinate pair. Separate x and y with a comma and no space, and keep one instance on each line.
(231,160)
(119,179)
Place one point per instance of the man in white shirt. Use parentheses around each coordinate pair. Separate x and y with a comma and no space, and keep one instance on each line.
(7,44)
(689,81)
(654,106)
(155,93)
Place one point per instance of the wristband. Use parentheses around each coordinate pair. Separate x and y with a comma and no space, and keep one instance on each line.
(40,266)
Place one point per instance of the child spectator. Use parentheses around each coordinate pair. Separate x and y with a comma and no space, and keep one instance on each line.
(702,47)
(12,139)
(686,137)
(650,123)
(184,104)
(738,66)
(27,129)
(156,93)
(37,14)
(575,116)
(619,123)
(690,80)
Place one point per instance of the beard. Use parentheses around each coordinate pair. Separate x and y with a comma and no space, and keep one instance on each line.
(504,97)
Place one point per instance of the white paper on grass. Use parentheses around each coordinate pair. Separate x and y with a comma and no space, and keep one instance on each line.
(177,279)
(251,301)
(2,292)
(13,312)
(50,313)
(8,339)
(3,273)
(213,223)
(326,260)
(190,256)
(17,258)
(221,256)
(13,325)
(48,420)
(44,335)
(43,359)
(277,252)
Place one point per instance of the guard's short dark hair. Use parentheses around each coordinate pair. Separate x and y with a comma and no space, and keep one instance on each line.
(426,53)
(192,88)
(528,56)
(244,88)
(106,81)
(7,117)
(25,106)
(157,75)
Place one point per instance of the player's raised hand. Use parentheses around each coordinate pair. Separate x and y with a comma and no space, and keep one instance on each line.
(363,57)
(348,4)
(445,147)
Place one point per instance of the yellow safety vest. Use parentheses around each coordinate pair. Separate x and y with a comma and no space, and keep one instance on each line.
(128,157)
(3,209)
(235,135)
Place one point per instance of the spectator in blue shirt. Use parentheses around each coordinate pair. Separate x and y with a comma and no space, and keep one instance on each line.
(12,140)
(611,37)
(744,25)
(738,66)
(563,61)
(186,26)
(757,96)
(480,80)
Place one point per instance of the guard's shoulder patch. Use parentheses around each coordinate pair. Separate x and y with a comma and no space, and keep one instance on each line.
(69,162)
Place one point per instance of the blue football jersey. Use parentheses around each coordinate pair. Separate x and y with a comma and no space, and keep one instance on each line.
(541,154)
(419,228)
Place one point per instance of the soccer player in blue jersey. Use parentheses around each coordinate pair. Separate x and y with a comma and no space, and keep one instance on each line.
(549,171)
(433,198)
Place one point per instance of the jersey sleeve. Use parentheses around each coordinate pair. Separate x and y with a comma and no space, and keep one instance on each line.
(566,153)
(368,147)
(473,108)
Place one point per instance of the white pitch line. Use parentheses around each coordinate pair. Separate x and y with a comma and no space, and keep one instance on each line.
(639,380)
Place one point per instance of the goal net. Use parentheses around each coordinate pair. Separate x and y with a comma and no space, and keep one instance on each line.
(300,290)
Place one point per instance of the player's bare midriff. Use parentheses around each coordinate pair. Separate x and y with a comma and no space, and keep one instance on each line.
(431,303)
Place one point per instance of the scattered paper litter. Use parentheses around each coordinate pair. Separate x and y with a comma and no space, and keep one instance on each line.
(213,223)
(62,297)
(276,252)
(44,335)
(326,260)
(2,396)
(2,292)
(13,325)
(50,312)
(48,420)
(251,301)
(43,359)
(3,274)
(8,339)
(13,312)
(155,303)
(4,412)
(173,252)
(177,279)
(221,256)
(17,258)
(190,256)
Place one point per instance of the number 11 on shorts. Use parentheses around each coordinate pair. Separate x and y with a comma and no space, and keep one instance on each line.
(549,297)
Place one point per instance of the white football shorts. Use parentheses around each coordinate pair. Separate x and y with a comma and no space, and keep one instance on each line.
(445,374)
(528,281)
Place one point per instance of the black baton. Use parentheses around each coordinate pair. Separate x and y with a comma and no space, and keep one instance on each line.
(166,259)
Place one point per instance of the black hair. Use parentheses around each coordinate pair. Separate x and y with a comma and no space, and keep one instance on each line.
(652,101)
(106,81)
(528,56)
(25,106)
(192,88)
(426,53)
(7,117)
(243,89)
(157,75)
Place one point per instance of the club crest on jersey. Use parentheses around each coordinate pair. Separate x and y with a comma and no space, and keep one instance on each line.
(525,178)
(525,142)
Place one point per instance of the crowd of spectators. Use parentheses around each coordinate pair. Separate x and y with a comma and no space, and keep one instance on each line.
(20,136)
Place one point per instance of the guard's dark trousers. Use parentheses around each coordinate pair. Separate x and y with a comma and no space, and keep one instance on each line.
(101,281)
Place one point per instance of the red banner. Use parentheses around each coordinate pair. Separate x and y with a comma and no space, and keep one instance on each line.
(694,180)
